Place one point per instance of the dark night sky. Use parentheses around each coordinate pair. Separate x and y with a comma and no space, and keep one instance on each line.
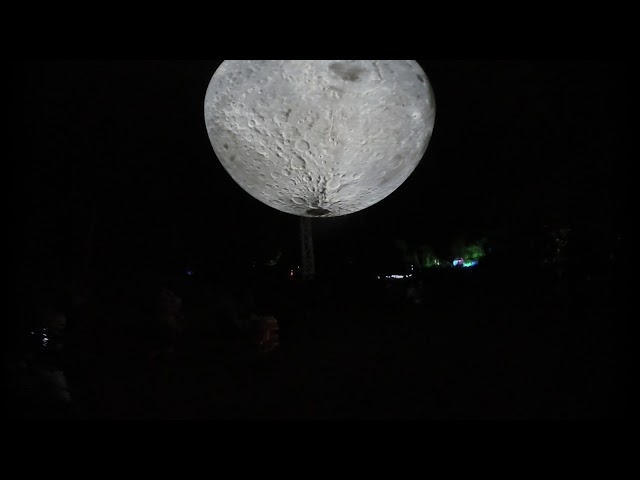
(119,149)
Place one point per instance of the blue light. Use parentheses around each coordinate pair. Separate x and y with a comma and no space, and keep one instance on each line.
(460,262)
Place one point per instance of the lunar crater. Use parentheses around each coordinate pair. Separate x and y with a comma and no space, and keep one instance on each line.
(350,73)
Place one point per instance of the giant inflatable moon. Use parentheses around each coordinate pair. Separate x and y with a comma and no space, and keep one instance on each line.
(319,138)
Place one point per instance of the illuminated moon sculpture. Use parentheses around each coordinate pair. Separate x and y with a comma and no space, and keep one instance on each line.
(319,138)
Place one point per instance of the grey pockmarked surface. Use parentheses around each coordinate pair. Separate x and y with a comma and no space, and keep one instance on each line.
(319,137)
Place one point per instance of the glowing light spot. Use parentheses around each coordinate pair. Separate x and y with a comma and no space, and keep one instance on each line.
(460,262)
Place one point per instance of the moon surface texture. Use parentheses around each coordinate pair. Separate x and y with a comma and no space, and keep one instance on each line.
(319,138)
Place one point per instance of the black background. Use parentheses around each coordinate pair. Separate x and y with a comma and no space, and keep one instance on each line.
(117,152)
